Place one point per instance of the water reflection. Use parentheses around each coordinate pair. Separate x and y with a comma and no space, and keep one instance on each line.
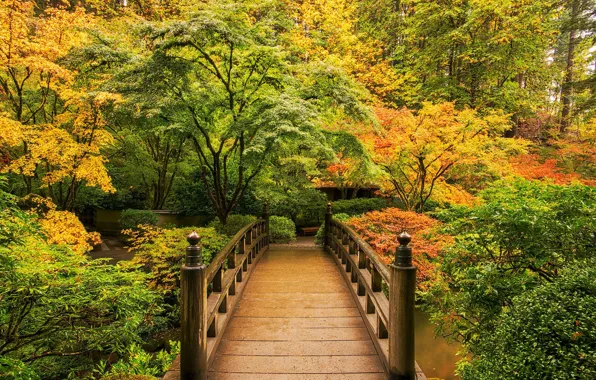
(435,356)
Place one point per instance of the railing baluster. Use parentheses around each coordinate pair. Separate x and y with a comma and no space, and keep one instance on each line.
(370,306)
(232,258)
(212,330)
(223,306)
(218,280)
(232,290)
(361,258)
(376,280)
(381,328)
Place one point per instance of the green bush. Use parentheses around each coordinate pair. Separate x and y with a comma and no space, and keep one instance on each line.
(282,229)
(139,364)
(234,223)
(548,333)
(161,252)
(522,237)
(131,219)
(358,206)
(64,303)
(321,232)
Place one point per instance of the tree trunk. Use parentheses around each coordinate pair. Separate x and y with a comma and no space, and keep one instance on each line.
(567,88)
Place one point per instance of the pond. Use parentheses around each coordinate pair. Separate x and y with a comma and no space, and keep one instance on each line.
(435,356)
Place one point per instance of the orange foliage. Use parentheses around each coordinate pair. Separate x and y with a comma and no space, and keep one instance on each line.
(381,228)
(417,150)
(561,167)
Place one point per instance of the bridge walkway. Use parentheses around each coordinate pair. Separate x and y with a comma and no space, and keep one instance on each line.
(296,319)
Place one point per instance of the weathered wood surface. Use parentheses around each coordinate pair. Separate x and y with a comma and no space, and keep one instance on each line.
(296,320)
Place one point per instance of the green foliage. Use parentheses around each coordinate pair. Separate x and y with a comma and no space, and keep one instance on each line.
(132,219)
(281,229)
(319,238)
(161,252)
(16,369)
(358,206)
(57,306)
(522,237)
(192,198)
(233,224)
(305,206)
(139,362)
(547,333)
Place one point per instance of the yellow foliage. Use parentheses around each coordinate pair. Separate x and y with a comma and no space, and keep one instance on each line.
(61,227)
(325,31)
(38,139)
(415,150)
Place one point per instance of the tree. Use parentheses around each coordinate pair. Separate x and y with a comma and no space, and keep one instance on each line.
(326,31)
(415,150)
(577,24)
(51,131)
(351,166)
(149,155)
(223,76)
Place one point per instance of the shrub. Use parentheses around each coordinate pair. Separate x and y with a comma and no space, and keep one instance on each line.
(547,333)
(59,227)
(132,219)
(319,240)
(381,228)
(140,365)
(282,229)
(234,223)
(66,304)
(358,206)
(523,235)
(161,252)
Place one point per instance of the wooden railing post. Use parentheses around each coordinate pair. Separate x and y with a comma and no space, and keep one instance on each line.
(402,290)
(266,218)
(328,216)
(193,310)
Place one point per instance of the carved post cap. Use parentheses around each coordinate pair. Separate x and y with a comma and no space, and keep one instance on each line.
(403,254)
(404,238)
(265,208)
(194,254)
(328,207)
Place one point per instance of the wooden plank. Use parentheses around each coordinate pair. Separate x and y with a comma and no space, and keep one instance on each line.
(272,323)
(290,348)
(289,334)
(299,303)
(298,364)
(311,376)
(251,311)
(306,297)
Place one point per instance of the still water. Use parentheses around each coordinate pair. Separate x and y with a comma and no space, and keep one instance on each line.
(435,356)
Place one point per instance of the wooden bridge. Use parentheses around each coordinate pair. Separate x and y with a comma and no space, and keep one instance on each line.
(261,312)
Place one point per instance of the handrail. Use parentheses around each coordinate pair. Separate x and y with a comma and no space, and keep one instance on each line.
(219,259)
(368,250)
(204,315)
(388,311)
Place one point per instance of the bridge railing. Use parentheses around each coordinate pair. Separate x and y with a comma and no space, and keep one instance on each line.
(208,294)
(389,319)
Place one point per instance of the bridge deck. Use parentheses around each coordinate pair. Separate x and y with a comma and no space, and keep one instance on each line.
(296,320)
